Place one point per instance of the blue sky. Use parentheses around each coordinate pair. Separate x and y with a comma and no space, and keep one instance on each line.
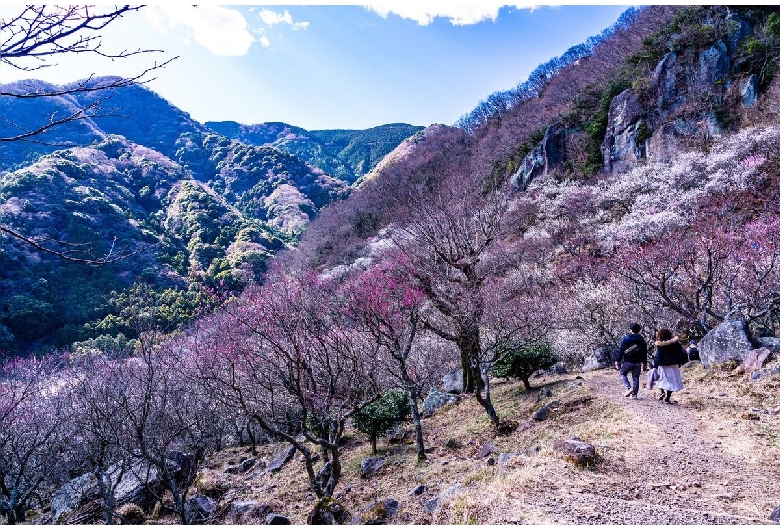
(336,66)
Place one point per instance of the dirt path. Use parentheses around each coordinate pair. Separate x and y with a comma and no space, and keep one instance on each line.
(671,465)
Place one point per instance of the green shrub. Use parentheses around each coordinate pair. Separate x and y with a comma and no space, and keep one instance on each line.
(381,415)
(521,361)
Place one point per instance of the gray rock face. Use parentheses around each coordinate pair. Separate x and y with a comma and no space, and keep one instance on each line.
(775,516)
(453,382)
(548,154)
(433,504)
(434,401)
(749,91)
(280,457)
(371,465)
(581,453)
(726,342)
(70,496)
(665,81)
(714,66)
(623,143)
(755,359)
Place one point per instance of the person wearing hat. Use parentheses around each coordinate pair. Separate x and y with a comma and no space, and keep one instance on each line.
(632,358)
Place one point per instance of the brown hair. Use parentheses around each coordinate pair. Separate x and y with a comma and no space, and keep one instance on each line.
(663,334)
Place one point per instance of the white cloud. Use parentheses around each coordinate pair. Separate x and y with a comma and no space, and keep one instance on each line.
(272,18)
(265,42)
(222,30)
(458,15)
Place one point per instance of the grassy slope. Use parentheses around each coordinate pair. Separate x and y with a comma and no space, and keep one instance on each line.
(700,475)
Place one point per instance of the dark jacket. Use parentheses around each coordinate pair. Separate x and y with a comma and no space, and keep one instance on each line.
(630,354)
(670,355)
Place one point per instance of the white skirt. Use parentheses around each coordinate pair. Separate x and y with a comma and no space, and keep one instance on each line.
(669,378)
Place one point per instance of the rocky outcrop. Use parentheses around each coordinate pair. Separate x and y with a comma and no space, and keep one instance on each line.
(625,141)
(728,341)
(749,91)
(549,153)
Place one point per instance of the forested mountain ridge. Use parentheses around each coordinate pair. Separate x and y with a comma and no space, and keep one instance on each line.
(196,201)
(344,154)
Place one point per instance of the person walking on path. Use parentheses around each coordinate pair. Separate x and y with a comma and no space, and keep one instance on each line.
(669,357)
(632,358)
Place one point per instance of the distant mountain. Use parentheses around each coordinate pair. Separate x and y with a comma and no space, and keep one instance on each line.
(344,154)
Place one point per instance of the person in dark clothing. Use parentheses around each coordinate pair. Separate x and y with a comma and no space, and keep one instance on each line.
(693,351)
(632,358)
(669,357)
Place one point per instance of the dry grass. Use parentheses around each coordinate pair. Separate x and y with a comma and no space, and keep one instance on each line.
(489,495)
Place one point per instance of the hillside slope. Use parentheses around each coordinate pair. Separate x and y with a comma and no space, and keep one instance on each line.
(709,459)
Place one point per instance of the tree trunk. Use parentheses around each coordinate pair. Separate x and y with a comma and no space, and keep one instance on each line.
(373,445)
(526,383)
(418,433)
(485,400)
(469,346)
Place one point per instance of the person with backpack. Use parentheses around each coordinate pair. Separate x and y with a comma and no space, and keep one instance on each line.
(632,358)
(669,357)
(693,351)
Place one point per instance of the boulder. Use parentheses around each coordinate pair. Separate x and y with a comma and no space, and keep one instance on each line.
(775,516)
(329,511)
(184,467)
(280,457)
(418,490)
(137,485)
(379,512)
(433,504)
(558,368)
(728,341)
(199,508)
(371,465)
(238,510)
(544,393)
(434,401)
(749,91)
(542,414)
(453,382)
(577,451)
(503,461)
(714,67)
(486,450)
(276,518)
(755,359)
